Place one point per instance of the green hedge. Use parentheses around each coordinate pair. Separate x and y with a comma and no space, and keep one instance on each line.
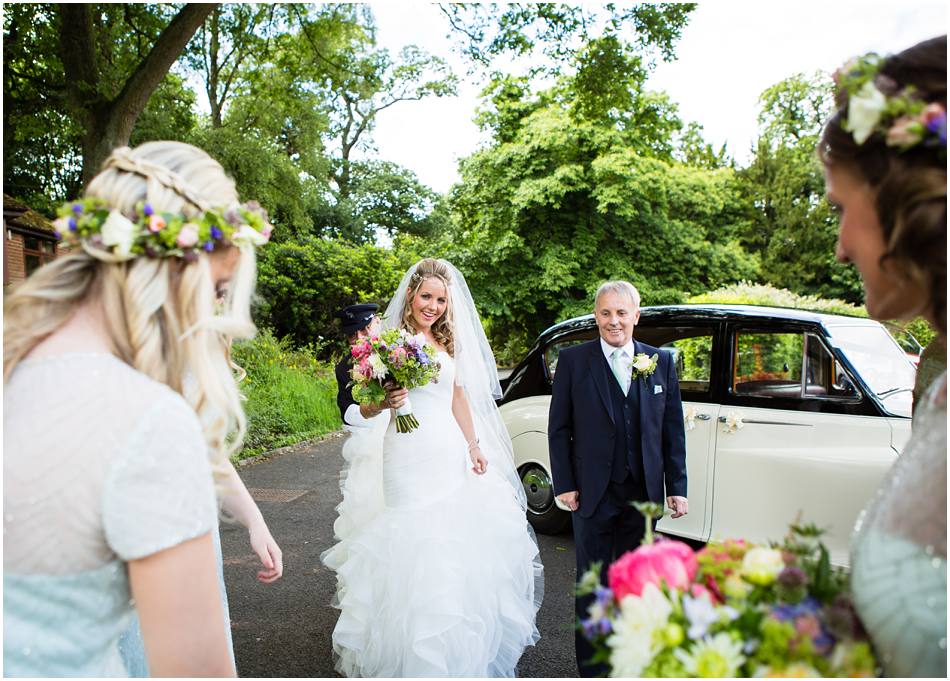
(291,395)
(746,293)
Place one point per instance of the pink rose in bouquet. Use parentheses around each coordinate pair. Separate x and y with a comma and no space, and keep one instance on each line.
(665,561)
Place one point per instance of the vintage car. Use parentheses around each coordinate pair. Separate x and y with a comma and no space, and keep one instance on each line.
(789,416)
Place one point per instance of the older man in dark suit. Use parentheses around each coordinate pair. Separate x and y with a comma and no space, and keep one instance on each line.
(616,435)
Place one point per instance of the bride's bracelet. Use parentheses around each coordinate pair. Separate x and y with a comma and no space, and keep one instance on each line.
(473,444)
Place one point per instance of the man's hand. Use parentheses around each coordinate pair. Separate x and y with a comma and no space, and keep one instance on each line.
(678,505)
(569,499)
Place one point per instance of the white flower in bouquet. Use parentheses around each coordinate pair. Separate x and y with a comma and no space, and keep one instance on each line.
(378,367)
(762,565)
(718,656)
(634,644)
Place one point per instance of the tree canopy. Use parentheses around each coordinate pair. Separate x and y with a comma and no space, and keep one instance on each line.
(586,174)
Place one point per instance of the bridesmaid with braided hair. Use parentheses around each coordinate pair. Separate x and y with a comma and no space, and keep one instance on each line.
(120,413)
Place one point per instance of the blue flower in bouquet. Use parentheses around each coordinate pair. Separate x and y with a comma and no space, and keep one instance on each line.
(422,357)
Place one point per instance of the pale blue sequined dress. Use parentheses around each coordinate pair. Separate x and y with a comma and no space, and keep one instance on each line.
(101,465)
(899,552)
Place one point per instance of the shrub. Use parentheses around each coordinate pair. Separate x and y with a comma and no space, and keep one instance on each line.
(291,395)
(746,293)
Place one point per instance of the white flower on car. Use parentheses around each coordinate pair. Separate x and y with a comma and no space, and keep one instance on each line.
(864,111)
(120,232)
(733,422)
(633,644)
(689,417)
(378,367)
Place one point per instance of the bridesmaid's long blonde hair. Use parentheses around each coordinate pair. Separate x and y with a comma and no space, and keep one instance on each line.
(160,312)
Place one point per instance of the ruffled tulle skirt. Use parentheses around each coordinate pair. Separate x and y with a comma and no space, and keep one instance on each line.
(446,584)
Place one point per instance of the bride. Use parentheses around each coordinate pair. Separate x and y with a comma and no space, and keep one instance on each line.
(443,576)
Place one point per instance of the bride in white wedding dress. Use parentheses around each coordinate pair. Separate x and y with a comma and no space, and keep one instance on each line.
(441,576)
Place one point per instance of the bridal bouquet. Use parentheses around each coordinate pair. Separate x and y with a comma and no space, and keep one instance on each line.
(730,609)
(395,356)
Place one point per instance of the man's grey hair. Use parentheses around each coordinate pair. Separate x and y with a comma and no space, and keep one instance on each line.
(620,287)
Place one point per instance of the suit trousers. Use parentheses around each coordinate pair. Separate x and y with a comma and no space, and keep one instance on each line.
(614,528)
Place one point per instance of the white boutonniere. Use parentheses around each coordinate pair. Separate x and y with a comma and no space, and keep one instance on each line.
(643,365)
(689,417)
(733,422)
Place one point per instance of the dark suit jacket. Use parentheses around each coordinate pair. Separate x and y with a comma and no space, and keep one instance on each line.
(581,428)
(344,395)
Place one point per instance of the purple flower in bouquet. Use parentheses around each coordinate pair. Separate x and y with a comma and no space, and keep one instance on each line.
(598,622)
(804,617)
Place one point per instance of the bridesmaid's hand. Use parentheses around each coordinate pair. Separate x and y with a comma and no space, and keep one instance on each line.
(479,462)
(268,551)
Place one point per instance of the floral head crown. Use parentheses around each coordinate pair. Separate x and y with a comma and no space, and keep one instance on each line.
(877,105)
(156,234)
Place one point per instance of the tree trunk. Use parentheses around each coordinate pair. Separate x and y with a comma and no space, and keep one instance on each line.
(108,123)
(214,69)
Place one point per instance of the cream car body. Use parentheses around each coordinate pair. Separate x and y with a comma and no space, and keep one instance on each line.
(768,442)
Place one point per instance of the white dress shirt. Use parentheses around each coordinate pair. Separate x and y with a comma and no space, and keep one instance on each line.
(626,359)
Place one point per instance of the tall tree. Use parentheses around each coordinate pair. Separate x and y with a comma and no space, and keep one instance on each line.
(107,109)
(233,34)
(557,31)
(791,226)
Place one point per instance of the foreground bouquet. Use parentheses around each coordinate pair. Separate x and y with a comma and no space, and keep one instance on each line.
(730,609)
(394,356)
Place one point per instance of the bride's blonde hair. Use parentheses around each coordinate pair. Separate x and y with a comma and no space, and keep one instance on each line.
(159,312)
(442,329)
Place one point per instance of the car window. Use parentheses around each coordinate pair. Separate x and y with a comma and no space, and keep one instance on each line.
(788,365)
(691,348)
(551,352)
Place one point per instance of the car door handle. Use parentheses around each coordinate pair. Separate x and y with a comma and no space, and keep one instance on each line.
(722,419)
(703,417)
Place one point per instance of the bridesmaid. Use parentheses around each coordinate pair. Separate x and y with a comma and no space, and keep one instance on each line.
(111,457)
(885,158)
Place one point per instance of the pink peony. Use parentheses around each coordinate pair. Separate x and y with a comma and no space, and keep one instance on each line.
(361,350)
(365,367)
(667,561)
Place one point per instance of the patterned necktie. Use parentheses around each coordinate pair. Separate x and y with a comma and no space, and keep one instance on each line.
(620,372)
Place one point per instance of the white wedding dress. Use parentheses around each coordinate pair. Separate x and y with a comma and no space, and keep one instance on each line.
(441,576)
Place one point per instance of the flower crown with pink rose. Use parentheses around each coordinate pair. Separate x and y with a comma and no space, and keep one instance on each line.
(157,234)
(877,105)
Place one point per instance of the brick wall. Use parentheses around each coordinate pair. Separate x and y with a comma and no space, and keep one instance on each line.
(14,267)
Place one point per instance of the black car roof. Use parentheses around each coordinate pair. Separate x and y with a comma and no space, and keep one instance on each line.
(720,312)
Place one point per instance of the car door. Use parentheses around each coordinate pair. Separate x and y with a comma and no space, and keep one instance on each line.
(795,441)
(692,346)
